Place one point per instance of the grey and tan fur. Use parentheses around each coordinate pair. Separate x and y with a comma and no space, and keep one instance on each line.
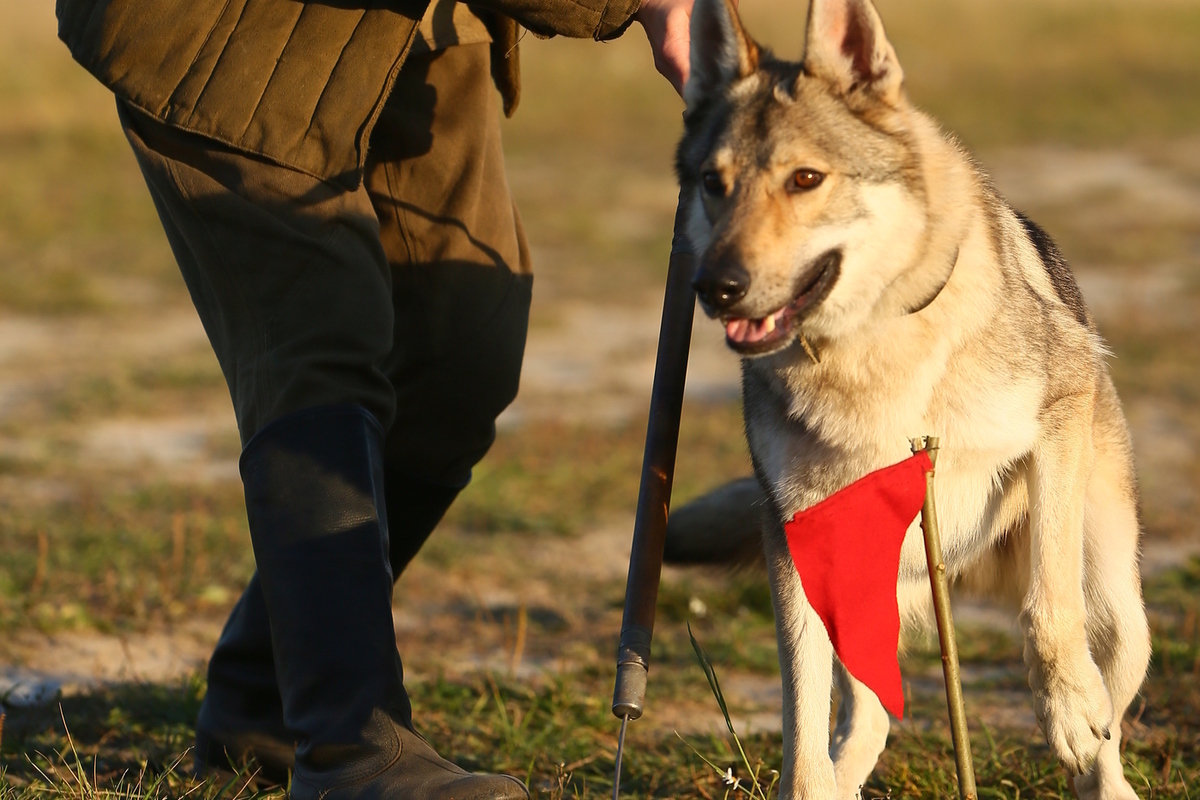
(831,216)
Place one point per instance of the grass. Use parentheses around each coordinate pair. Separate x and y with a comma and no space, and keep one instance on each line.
(557,732)
(752,781)
(126,559)
(116,550)
(508,646)
(526,484)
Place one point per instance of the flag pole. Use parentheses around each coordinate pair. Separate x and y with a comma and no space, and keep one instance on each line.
(945,627)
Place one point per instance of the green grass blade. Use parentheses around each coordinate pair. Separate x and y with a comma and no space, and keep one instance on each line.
(736,786)
(715,685)
(710,673)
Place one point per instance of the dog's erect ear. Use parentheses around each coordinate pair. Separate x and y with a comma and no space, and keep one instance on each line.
(721,51)
(847,47)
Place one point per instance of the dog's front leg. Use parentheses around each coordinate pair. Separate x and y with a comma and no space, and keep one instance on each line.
(806,665)
(860,735)
(1069,695)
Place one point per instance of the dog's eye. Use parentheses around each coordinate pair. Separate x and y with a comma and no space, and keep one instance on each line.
(713,185)
(804,179)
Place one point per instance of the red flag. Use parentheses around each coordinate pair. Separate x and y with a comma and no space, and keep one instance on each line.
(847,551)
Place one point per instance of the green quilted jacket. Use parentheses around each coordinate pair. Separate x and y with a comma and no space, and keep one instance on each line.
(299,82)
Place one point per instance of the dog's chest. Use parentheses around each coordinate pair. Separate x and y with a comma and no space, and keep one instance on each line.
(812,434)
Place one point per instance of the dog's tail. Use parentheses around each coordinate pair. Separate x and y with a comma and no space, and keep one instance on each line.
(721,528)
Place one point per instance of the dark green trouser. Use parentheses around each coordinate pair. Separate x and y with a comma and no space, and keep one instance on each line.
(409,296)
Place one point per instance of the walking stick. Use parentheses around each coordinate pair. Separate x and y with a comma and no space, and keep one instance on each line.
(945,627)
(654,496)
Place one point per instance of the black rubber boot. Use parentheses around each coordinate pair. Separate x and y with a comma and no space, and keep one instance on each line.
(314,497)
(240,726)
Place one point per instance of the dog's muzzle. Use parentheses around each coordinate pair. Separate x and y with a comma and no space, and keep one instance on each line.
(777,330)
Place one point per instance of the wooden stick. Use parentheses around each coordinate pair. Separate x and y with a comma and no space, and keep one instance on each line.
(945,627)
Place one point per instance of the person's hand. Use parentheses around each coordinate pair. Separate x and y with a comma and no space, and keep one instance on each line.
(667,24)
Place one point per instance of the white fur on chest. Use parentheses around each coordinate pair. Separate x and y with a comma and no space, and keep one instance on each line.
(830,424)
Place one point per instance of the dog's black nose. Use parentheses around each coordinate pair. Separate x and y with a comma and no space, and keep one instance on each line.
(722,286)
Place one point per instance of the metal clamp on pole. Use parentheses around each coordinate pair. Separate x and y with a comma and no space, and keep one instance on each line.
(633,666)
(654,496)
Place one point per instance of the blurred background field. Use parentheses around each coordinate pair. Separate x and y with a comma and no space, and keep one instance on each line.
(122,535)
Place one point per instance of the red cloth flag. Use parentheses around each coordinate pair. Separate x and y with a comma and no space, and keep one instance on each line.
(847,551)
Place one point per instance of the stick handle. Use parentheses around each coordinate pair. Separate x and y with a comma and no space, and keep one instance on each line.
(945,627)
(658,471)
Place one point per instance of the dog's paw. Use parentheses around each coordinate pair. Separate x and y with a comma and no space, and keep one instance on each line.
(1073,708)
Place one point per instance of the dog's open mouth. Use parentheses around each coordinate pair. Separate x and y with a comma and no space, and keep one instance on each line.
(777,330)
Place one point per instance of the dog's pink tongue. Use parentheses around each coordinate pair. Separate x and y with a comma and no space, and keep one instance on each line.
(735,329)
(746,330)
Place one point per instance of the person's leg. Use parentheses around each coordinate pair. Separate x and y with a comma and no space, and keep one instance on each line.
(460,281)
(293,288)
(254,242)
(453,241)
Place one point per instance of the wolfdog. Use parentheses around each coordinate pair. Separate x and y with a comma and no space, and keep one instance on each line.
(878,288)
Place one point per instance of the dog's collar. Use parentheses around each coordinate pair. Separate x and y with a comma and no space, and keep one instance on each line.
(925,303)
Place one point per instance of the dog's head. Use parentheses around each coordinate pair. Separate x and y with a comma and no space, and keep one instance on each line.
(802,181)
